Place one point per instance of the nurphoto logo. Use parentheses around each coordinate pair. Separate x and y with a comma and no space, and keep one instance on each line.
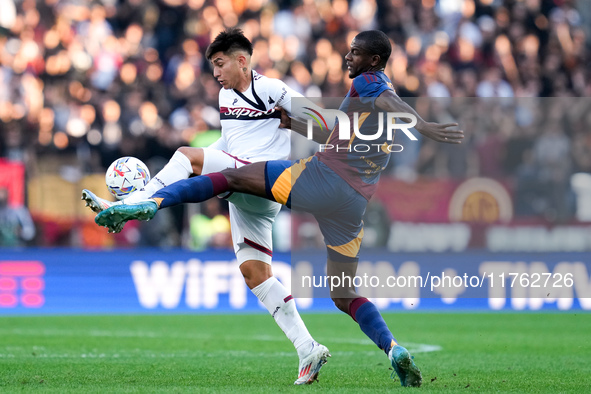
(344,128)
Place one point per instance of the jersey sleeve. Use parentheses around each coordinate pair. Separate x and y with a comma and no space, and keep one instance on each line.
(369,87)
(283,95)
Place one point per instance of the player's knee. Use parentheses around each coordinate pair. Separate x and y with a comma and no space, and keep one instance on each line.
(255,272)
(195,156)
(187,151)
(255,280)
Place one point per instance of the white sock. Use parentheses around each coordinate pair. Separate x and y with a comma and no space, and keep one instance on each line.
(179,167)
(273,295)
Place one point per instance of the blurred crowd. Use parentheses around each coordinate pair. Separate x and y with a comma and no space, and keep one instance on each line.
(94,81)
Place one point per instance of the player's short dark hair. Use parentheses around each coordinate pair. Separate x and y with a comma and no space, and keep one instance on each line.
(228,41)
(376,42)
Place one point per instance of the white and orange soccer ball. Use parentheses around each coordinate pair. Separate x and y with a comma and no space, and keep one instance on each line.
(125,176)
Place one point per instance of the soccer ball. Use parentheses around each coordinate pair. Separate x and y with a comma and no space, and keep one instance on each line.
(125,176)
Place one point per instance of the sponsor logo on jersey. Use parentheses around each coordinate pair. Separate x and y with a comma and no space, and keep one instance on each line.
(284,92)
(241,113)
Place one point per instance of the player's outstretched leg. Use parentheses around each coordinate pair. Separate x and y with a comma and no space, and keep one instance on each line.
(179,167)
(249,179)
(195,189)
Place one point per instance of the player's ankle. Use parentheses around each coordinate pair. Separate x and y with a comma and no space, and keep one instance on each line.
(304,348)
(392,344)
(157,201)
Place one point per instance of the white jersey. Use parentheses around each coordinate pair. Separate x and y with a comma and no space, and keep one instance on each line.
(250,123)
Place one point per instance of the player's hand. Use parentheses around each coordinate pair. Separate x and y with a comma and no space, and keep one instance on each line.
(285,119)
(441,132)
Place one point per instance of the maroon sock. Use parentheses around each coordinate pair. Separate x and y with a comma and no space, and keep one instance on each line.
(219,182)
(356,304)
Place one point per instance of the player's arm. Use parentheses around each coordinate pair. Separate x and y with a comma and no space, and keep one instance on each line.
(295,114)
(319,135)
(389,101)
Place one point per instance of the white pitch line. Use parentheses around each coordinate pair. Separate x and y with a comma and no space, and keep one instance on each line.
(412,347)
(102,333)
(190,354)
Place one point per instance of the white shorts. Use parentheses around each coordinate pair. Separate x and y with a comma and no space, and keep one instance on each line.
(251,217)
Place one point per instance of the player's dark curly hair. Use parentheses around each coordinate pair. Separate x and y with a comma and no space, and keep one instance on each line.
(229,41)
(376,43)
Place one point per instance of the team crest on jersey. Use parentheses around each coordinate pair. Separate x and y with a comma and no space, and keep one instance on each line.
(235,101)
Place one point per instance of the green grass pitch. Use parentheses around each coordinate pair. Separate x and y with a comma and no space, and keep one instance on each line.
(457,352)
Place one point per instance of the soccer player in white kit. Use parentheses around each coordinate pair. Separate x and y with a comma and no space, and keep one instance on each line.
(250,133)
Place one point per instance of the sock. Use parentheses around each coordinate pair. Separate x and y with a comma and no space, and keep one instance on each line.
(372,323)
(281,306)
(179,167)
(197,189)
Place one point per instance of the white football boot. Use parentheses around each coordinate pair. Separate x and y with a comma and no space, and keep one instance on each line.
(96,203)
(310,365)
